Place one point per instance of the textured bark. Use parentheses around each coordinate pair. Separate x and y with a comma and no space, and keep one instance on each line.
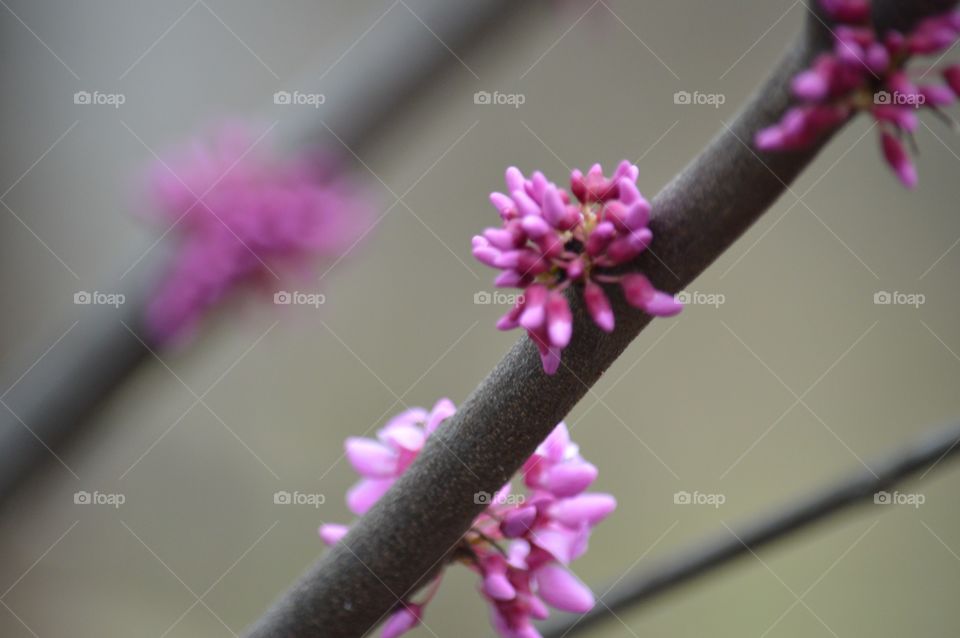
(409,533)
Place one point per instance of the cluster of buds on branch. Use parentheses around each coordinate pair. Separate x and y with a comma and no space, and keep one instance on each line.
(522,543)
(866,71)
(550,241)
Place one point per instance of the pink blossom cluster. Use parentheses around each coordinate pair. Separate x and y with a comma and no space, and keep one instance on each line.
(521,544)
(866,71)
(548,242)
(243,216)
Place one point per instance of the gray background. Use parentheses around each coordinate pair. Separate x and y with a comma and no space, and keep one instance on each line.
(706,402)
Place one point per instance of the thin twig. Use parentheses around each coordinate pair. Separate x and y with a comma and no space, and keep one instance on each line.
(705,557)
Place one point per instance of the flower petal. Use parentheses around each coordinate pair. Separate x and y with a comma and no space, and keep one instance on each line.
(599,306)
(371,458)
(331,533)
(365,493)
(559,588)
(400,622)
(898,160)
(585,508)
(518,522)
(663,305)
(569,479)
(442,410)
(559,320)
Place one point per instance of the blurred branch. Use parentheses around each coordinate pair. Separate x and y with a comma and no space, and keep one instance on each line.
(707,556)
(48,405)
(408,534)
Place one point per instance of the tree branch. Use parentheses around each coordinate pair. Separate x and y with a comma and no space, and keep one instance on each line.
(47,408)
(705,557)
(408,534)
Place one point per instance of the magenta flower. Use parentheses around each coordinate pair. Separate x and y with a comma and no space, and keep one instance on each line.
(866,71)
(547,243)
(381,461)
(243,216)
(520,546)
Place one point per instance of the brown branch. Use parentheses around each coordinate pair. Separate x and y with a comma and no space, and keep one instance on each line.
(409,533)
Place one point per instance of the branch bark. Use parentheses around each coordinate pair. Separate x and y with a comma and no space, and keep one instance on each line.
(409,533)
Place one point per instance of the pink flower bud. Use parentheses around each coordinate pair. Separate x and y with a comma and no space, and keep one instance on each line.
(371,458)
(898,160)
(585,508)
(638,290)
(518,522)
(569,479)
(561,589)
(331,533)
(599,306)
(559,320)
(401,621)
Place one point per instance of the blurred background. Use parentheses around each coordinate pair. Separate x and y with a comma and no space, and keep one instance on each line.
(786,376)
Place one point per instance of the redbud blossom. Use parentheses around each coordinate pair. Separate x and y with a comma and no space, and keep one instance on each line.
(520,546)
(866,71)
(549,242)
(243,216)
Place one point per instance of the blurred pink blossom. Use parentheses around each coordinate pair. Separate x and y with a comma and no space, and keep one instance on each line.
(866,71)
(243,215)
